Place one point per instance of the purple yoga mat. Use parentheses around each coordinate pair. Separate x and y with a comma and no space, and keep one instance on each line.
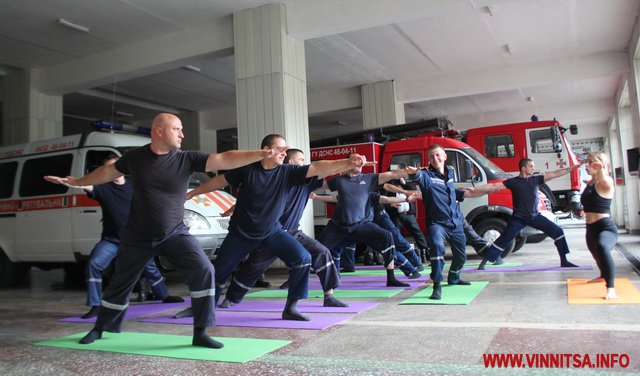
(380,281)
(529,268)
(303,306)
(260,320)
(376,285)
(138,310)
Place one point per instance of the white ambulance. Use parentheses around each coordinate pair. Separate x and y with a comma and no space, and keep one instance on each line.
(48,225)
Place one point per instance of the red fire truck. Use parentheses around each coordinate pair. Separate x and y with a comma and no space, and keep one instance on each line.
(541,141)
(487,214)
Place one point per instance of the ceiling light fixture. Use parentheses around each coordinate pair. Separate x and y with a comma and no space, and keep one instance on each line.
(508,49)
(192,68)
(72,25)
(491,10)
(124,114)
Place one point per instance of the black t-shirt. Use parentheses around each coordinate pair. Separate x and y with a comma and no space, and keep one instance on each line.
(115,201)
(160,183)
(262,196)
(525,194)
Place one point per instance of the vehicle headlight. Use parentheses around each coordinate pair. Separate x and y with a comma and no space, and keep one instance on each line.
(195,221)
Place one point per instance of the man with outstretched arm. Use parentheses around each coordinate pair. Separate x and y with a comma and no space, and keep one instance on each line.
(443,217)
(524,189)
(115,200)
(160,174)
(322,262)
(352,218)
(263,190)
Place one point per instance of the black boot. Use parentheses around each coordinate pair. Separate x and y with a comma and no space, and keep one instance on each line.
(437,291)
(392,281)
(291,312)
(93,312)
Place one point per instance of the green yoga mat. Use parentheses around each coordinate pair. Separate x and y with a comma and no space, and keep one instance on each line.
(427,267)
(454,294)
(235,350)
(337,293)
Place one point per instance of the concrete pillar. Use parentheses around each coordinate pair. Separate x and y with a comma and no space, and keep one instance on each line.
(380,107)
(617,206)
(271,87)
(29,115)
(192,130)
(625,132)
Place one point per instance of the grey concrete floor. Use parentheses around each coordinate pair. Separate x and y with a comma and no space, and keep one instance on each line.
(517,313)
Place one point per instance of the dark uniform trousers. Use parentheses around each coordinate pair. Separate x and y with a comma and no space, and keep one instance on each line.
(438,234)
(252,268)
(517,223)
(335,237)
(183,251)
(280,243)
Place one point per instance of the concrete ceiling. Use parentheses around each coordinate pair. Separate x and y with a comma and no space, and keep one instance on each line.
(478,62)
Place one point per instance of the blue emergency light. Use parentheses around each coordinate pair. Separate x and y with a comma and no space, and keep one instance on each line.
(115,126)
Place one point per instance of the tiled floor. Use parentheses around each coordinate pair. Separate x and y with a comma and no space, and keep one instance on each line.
(518,313)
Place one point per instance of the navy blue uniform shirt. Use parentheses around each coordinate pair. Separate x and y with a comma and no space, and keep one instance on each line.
(297,200)
(262,197)
(439,196)
(353,197)
(115,201)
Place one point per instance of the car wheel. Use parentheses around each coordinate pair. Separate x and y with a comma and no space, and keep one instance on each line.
(520,241)
(490,229)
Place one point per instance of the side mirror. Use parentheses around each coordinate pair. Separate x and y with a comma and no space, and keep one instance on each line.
(573,129)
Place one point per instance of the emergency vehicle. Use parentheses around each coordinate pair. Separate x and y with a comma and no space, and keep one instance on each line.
(487,214)
(49,225)
(541,141)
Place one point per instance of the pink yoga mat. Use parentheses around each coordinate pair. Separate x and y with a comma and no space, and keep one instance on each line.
(259,320)
(138,310)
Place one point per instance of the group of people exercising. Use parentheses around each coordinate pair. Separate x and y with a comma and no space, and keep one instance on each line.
(274,185)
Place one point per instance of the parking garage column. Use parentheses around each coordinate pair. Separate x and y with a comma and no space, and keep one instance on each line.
(29,115)
(271,87)
(380,107)
(271,84)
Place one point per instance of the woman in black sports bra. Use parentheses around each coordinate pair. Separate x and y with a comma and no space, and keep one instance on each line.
(602,233)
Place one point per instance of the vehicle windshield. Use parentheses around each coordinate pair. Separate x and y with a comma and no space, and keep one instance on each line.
(493,172)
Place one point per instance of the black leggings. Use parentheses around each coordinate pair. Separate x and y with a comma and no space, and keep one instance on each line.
(601,238)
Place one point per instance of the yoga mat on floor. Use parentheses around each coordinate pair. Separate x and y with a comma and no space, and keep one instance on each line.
(303,306)
(380,271)
(581,292)
(529,268)
(235,350)
(379,267)
(320,294)
(138,310)
(454,294)
(370,286)
(259,320)
(371,271)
